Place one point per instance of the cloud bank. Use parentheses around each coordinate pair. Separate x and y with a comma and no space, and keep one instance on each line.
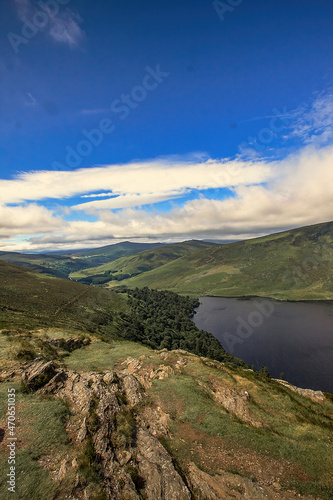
(176,198)
(263,197)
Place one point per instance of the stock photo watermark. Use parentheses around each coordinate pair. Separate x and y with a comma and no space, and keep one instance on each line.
(279,121)
(122,107)
(222,8)
(309,265)
(39,20)
(11,440)
(264,308)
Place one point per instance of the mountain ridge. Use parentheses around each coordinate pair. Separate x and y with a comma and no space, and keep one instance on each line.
(291,265)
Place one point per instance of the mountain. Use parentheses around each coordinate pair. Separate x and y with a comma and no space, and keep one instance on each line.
(62,263)
(142,262)
(111,252)
(295,265)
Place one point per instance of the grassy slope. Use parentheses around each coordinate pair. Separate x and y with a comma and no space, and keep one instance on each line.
(290,447)
(28,299)
(146,260)
(54,265)
(293,265)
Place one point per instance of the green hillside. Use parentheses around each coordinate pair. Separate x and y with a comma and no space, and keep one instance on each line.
(142,262)
(101,255)
(295,265)
(54,265)
(30,299)
(61,264)
(157,319)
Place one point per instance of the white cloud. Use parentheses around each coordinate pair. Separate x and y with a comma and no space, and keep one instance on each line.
(134,184)
(27,219)
(65,29)
(98,195)
(264,196)
(300,194)
(31,102)
(313,122)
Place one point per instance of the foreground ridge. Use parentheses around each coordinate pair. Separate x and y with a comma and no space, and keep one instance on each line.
(129,437)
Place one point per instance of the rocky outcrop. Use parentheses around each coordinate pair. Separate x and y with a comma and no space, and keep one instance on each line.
(316,396)
(118,441)
(39,373)
(70,344)
(234,401)
(230,486)
(129,455)
(162,481)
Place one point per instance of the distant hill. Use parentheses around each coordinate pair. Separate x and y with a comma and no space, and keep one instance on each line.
(294,265)
(111,252)
(61,264)
(142,262)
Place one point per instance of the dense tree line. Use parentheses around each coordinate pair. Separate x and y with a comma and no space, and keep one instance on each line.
(162,319)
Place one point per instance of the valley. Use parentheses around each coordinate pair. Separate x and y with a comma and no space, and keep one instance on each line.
(292,265)
(120,395)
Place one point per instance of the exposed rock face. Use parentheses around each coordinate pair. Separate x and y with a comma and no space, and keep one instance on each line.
(316,396)
(102,404)
(69,344)
(155,465)
(39,373)
(228,486)
(132,389)
(121,435)
(233,401)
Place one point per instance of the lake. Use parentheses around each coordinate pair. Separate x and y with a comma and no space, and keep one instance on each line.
(295,338)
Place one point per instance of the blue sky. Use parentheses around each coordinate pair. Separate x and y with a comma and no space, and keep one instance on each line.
(165,120)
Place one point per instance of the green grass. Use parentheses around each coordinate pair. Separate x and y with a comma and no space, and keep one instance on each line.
(30,299)
(294,428)
(295,265)
(141,262)
(6,352)
(102,356)
(41,432)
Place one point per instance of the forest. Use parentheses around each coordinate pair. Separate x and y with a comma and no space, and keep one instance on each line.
(162,320)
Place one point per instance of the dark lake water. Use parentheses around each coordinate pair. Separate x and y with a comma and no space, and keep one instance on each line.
(289,337)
